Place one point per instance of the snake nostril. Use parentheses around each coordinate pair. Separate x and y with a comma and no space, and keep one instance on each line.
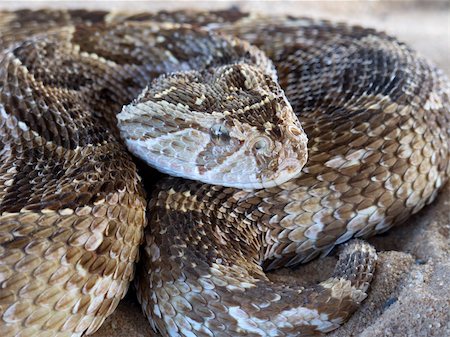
(261,145)
(295,131)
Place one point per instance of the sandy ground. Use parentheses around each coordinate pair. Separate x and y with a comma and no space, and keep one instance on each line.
(410,295)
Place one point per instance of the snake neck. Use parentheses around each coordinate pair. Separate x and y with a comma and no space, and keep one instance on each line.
(220,210)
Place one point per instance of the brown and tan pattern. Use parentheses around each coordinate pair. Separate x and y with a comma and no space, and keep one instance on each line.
(72,208)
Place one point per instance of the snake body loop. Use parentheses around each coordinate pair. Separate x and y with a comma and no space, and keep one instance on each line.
(315,133)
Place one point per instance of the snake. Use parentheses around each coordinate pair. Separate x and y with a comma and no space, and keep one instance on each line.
(274,140)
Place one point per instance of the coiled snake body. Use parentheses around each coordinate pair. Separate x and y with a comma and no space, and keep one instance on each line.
(72,206)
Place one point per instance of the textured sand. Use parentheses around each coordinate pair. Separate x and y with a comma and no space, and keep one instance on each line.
(410,295)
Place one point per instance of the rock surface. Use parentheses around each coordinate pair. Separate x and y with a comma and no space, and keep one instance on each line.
(410,295)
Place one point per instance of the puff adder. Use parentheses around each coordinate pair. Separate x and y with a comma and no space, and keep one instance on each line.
(296,135)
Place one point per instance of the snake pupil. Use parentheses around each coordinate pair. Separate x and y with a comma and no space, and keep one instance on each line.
(220,132)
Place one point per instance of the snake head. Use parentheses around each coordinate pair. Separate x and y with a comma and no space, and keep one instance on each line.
(229,125)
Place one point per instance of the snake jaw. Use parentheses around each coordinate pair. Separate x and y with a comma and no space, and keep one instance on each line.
(233,163)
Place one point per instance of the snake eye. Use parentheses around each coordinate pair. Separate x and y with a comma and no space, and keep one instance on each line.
(261,145)
(219,132)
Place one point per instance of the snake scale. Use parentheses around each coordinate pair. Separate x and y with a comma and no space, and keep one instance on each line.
(297,135)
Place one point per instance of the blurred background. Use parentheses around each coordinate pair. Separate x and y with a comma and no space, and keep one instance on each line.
(424,25)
